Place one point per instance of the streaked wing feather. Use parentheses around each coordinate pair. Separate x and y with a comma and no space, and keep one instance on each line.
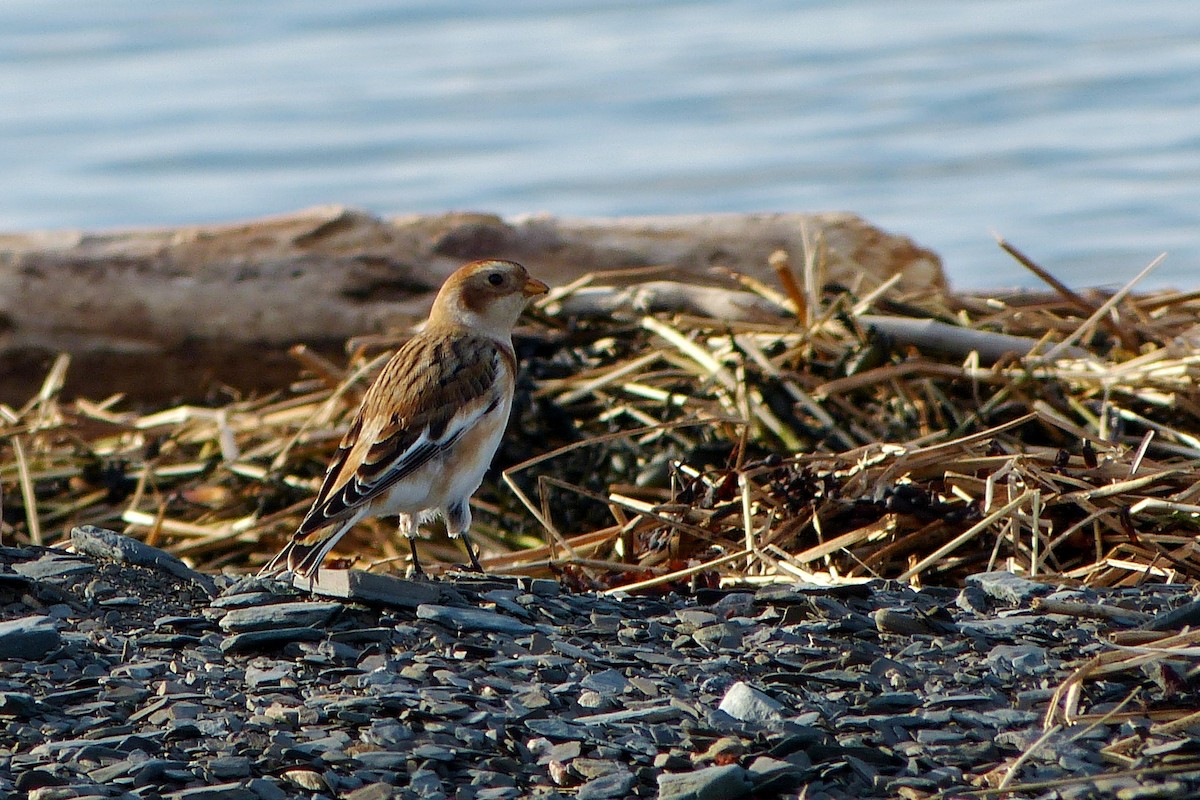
(433,389)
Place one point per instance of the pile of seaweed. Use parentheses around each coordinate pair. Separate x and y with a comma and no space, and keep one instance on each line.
(674,435)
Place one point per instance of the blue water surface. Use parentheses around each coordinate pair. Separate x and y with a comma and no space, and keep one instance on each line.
(1070,127)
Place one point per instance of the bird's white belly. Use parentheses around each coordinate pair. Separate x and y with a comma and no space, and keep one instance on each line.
(454,475)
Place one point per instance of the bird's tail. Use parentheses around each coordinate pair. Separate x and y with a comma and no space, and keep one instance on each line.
(304,553)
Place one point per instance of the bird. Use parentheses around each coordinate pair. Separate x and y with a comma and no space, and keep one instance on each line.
(430,423)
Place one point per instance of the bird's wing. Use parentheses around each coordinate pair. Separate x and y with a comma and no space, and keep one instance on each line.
(431,392)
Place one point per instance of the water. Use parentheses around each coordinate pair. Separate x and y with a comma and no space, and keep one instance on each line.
(1071,127)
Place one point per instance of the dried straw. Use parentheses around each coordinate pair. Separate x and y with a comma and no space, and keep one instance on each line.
(875,435)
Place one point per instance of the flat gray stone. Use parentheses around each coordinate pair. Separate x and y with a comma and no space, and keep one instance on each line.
(1009,587)
(745,703)
(227,767)
(472,619)
(424,782)
(221,791)
(906,623)
(17,704)
(544,587)
(266,789)
(765,768)
(609,682)
(370,588)
(28,638)
(1023,659)
(279,615)
(552,728)
(238,599)
(256,640)
(656,713)
(102,543)
(1186,614)
(52,566)
(419,783)
(120,742)
(612,785)
(388,760)
(1003,627)
(713,783)
(719,636)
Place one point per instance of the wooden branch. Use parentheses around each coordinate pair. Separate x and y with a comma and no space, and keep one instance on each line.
(167,312)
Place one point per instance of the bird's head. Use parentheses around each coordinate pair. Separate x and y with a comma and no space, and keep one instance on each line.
(486,296)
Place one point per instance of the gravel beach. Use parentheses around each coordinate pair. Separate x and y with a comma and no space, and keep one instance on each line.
(124,674)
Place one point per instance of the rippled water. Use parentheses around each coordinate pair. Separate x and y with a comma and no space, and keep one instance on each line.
(1072,128)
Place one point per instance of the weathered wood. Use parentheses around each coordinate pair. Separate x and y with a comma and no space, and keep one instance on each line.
(168,312)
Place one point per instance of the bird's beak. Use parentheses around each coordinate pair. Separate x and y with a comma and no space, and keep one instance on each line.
(533,287)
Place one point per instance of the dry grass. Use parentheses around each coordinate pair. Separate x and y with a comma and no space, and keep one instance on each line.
(819,436)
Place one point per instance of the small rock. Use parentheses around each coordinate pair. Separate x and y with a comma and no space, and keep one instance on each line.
(266,789)
(973,600)
(1023,659)
(1166,790)
(610,681)
(472,619)
(226,767)
(386,760)
(713,783)
(543,587)
(934,736)
(720,636)
(220,791)
(53,793)
(17,704)
(28,638)
(655,713)
(595,700)
(279,615)
(1186,614)
(53,565)
(308,779)
(1008,587)
(906,623)
(424,782)
(564,752)
(765,768)
(384,791)
(238,599)
(589,768)
(726,750)
(103,543)
(498,793)
(254,640)
(37,779)
(614,784)
(370,587)
(745,703)
(696,617)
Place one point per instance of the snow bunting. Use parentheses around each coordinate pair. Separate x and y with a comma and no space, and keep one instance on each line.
(430,423)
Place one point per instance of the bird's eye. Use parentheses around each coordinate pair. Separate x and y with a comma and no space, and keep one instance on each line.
(495,279)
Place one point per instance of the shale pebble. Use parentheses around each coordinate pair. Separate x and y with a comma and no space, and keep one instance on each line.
(1008,587)
(472,619)
(28,638)
(279,615)
(748,704)
(103,543)
(478,687)
(712,783)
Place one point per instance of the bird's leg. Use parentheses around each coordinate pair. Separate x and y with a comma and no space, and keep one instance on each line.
(409,530)
(458,521)
(417,570)
(475,565)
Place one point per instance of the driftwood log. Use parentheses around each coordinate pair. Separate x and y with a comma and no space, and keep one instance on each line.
(166,313)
